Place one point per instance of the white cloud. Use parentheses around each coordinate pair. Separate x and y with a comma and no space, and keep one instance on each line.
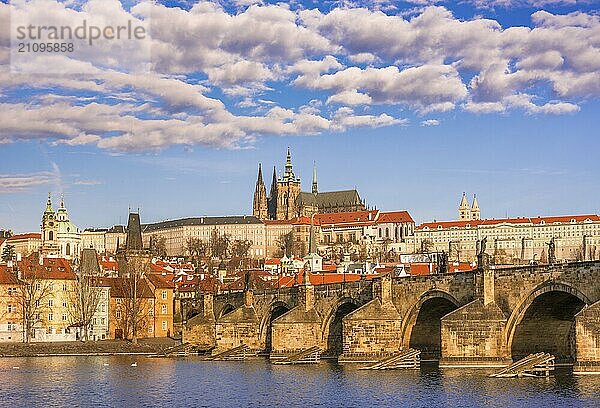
(10,183)
(430,122)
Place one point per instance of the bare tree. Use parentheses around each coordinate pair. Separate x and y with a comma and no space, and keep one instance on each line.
(158,246)
(426,247)
(196,248)
(33,297)
(83,302)
(284,245)
(219,244)
(133,292)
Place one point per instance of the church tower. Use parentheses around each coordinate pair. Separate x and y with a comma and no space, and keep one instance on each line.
(464,210)
(288,190)
(272,200)
(475,211)
(49,229)
(259,205)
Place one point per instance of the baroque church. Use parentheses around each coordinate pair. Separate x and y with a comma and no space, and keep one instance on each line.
(60,237)
(286,201)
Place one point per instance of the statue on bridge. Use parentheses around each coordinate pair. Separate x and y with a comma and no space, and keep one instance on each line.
(247,281)
(442,262)
(551,251)
(482,257)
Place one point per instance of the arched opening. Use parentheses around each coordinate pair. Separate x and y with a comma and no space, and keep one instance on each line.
(50,236)
(426,334)
(228,308)
(276,311)
(68,249)
(548,325)
(335,337)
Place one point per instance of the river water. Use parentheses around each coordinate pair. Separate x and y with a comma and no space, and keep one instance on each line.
(112,381)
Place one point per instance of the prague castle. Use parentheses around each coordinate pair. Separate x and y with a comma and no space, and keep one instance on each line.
(286,201)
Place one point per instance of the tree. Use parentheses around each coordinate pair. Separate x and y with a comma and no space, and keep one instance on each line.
(8,253)
(196,248)
(158,246)
(284,245)
(426,247)
(83,302)
(219,244)
(240,248)
(132,289)
(33,299)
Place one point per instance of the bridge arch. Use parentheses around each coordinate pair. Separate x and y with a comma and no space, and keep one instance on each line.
(227,308)
(545,321)
(275,310)
(332,327)
(421,325)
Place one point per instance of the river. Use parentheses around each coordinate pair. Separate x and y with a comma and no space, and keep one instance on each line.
(191,382)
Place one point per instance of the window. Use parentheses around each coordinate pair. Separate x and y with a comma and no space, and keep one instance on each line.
(64,287)
(37,303)
(64,304)
(50,317)
(64,317)
(102,321)
(150,329)
(150,312)
(118,314)
(164,295)
(164,325)
(12,291)
(51,286)
(37,316)
(11,326)
(12,308)
(50,302)
(164,309)
(38,286)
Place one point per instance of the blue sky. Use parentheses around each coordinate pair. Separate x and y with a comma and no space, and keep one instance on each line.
(499,100)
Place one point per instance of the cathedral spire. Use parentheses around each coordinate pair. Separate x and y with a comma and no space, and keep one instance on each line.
(288,175)
(315,187)
(259,204)
(464,211)
(49,208)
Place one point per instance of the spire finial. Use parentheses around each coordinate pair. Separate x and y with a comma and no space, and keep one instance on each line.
(62,200)
(315,187)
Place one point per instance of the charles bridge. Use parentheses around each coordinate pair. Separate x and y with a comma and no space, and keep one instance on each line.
(486,317)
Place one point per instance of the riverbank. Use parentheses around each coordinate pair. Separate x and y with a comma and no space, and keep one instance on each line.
(88,348)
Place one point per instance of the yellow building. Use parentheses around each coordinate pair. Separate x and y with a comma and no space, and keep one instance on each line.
(164,306)
(11,318)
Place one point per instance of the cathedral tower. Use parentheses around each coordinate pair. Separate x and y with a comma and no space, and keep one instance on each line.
(464,211)
(475,211)
(259,205)
(49,229)
(288,190)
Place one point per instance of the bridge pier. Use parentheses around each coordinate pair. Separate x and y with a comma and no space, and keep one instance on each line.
(241,326)
(298,329)
(200,329)
(587,340)
(372,331)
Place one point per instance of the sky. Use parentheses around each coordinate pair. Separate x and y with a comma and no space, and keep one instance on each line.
(411,102)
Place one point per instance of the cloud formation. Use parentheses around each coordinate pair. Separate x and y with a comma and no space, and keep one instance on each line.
(216,77)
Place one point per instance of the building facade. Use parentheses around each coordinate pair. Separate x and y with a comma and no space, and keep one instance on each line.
(60,237)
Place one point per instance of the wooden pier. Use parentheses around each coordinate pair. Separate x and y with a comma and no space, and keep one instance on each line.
(410,359)
(238,353)
(534,365)
(310,355)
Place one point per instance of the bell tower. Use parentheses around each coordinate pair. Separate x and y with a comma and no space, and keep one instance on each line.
(288,190)
(464,210)
(49,229)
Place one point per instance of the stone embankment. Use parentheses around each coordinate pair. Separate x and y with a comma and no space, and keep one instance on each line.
(89,348)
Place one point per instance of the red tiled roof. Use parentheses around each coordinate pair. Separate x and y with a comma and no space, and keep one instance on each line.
(33,235)
(523,220)
(421,268)
(394,217)
(161,281)
(277,222)
(120,287)
(352,217)
(324,278)
(7,277)
(52,268)
(272,261)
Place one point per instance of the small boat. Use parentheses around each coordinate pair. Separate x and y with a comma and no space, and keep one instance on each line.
(134,364)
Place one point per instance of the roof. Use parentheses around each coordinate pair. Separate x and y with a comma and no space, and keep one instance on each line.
(330,199)
(30,235)
(7,277)
(89,262)
(134,233)
(52,268)
(522,220)
(352,217)
(394,217)
(123,287)
(161,281)
(235,219)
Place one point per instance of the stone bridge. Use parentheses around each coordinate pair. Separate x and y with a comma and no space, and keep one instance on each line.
(486,317)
